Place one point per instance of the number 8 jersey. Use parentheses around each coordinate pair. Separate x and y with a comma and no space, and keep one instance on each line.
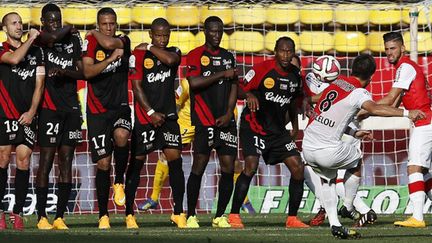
(338,105)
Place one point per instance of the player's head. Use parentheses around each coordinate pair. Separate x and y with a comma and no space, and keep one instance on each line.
(284,51)
(12,26)
(394,46)
(364,67)
(51,17)
(107,21)
(160,32)
(213,31)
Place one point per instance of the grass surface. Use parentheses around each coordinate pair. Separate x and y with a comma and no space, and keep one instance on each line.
(259,228)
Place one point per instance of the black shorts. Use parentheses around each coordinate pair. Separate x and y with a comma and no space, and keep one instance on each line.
(273,148)
(13,133)
(59,128)
(147,138)
(100,129)
(223,139)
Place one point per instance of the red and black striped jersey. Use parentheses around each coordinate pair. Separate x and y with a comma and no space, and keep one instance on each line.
(61,92)
(209,103)
(275,89)
(157,83)
(108,90)
(17,82)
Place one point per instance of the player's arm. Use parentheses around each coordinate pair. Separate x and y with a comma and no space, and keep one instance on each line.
(293,118)
(182,93)
(224,120)
(200,82)
(91,69)
(13,58)
(157,118)
(27,117)
(107,42)
(48,39)
(385,110)
(167,57)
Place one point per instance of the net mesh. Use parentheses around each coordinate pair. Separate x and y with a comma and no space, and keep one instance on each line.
(340,28)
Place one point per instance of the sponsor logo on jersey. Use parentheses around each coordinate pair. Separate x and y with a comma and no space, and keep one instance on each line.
(64,63)
(325,121)
(132,60)
(249,75)
(31,59)
(112,66)
(155,77)
(30,134)
(23,73)
(100,55)
(269,83)
(283,86)
(291,146)
(123,123)
(206,73)
(281,99)
(148,63)
(85,45)
(76,135)
(101,152)
(68,48)
(216,63)
(173,138)
(228,137)
(205,60)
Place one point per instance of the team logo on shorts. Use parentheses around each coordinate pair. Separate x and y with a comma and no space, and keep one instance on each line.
(100,55)
(148,63)
(269,83)
(205,60)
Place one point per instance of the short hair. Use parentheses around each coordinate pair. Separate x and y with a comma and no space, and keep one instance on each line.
(159,22)
(212,19)
(50,7)
(363,66)
(285,38)
(393,36)
(106,11)
(5,17)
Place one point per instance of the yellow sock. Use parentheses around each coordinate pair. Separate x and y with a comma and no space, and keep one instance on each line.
(161,174)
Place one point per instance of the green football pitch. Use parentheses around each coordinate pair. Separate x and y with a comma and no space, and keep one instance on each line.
(259,228)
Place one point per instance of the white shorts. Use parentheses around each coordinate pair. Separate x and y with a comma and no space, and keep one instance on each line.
(326,162)
(420,146)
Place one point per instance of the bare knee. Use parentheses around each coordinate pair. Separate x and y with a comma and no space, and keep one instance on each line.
(296,167)
(104,164)
(121,137)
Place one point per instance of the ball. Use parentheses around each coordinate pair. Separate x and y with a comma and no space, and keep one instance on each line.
(326,68)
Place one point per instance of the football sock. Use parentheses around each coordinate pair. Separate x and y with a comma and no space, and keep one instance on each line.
(177,182)
(313,181)
(132,182)
(296,189)
(41,196)
(226,185)
(21,188)
(121,155)
(161,174)
(360,205)
(352,183)
(3,181)
(240,192)
(63,198)
(102,190)
(340,188)
(193,188)
(416,188)
(330,200)
(428,185)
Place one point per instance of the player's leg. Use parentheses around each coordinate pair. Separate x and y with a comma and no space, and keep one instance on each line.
(46,159)
(5,152)
(247,205)
(199,164)
(313,181)
(340,188)
(160,176)
(351,184)
(428,184)
(103,182)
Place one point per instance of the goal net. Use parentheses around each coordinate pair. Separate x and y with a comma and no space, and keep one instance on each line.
(340,28)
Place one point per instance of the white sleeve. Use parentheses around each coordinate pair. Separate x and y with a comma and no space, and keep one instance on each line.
(405,74)
(314,84)
(358,97)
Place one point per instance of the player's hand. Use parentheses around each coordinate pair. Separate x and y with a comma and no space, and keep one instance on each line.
(223,121)
(230,73)
(142,46)
(416,115)
(117,54)
(26,118)
(364,134)
(293,134)
(157,119)
(252,102)
(33,34)
(58,72)
(307,109)
(361,115)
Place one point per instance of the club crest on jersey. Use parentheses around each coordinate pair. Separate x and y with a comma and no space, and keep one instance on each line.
(269,83)
(205,60)
(100,55)
(148,63)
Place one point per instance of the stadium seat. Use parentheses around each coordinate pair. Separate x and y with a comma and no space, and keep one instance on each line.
(2,37)
(184,40)
(200,40)
(36,11)
(224,12)
(146,13)
(349,41)
(351,14)
(183,15)
(316,41)
(249,14)
(80,14)
(424,41)
(272,36)
(138,37)
(124,13)
(282,14)
(316,14)
(21,9)
(384,14)
(246,41)
(422,18)
(375,42)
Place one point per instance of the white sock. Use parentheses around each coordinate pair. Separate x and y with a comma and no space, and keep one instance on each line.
(428,185)
(360,205)
(417,195)
(313,181)
(352,183)
(340,189)
(329,199)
